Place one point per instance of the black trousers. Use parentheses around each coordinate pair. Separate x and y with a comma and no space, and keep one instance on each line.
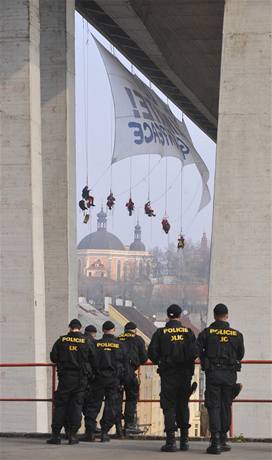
(131,390)
(68,401)
(218,398)
(174,397)
(107,388)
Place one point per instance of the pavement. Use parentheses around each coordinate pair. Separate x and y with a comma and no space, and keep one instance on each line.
(37,449)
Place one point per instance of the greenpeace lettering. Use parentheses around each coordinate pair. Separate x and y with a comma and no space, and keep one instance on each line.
(144,132)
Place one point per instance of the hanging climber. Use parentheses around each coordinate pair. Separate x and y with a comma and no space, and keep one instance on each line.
(82,205)
(165,225)
(148,210)
(130,205)
(181,242)
(110,201)
(89,199)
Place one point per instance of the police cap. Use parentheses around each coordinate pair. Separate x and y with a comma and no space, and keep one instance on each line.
(220,310)
(107,326)
(75,324)
(90,328)
(174,311)
(130,326)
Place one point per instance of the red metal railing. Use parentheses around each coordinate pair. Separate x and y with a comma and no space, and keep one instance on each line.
(197,362)
(53,385)
(53,382)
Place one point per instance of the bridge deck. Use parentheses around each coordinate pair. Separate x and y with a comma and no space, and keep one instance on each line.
(28,449)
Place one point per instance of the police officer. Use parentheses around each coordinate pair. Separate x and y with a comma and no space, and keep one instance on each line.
(221,349)
(110,370)
(74,356)
(173,348)
(137,355)
(90,332)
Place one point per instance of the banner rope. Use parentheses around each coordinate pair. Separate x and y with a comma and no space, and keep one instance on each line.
(166,185)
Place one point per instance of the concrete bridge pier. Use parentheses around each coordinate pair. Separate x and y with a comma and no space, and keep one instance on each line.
(241,239)
(37,226)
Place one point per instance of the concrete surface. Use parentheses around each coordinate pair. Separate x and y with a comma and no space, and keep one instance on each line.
(22,320)
(241,253)
(28,449)
(38,235)
(59,164)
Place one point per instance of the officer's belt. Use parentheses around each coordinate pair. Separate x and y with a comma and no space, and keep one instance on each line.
(70,369)
(222,364)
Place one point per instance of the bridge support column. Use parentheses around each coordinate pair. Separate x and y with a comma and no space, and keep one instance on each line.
(38,219)
(241,242)
(22,321)
(58,161)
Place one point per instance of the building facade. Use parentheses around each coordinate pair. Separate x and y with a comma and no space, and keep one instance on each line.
(101,254)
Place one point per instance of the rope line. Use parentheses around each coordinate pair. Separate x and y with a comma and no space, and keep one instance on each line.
(166,185)
(139,182)
(181,196)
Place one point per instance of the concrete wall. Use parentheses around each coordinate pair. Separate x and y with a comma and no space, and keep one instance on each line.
(21,226)
(38,219)
(241,241)
(58,160)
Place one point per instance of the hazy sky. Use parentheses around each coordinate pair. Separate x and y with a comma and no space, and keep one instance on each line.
(94,132)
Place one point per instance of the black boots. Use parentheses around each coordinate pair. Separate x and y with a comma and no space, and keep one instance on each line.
(170,445)
(184,441)
(224,446)
(73,439)
(119,431)
(89,436)
(55,438)
(215,446)
(105,437)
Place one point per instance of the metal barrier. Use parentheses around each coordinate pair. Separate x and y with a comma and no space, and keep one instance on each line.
(197,362)
(53,382)
(53,385)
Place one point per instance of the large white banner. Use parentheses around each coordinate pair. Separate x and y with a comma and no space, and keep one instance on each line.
(145,125)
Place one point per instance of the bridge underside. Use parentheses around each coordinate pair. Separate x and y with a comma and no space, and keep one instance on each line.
(177,45)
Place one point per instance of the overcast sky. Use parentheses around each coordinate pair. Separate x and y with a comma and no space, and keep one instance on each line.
(94,133)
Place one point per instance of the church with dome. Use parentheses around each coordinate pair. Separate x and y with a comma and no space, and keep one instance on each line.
(102,254)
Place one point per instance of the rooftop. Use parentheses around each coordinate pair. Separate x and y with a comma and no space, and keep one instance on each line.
(143,323)
(31,449)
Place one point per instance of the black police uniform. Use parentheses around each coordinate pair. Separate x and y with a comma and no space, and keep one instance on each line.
(220,350)
(137,355)
(110,369)
(75,358)
(173,348)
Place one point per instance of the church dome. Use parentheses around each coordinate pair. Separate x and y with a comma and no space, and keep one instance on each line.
(137,244)
(101,239)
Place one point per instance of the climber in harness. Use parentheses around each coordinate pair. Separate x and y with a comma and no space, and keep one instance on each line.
(86,202)
(130,206)
(181,242)
(148,210)
(110,201)
(165,225)
(89,199)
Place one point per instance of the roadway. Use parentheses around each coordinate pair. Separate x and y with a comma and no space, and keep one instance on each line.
(33,449)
